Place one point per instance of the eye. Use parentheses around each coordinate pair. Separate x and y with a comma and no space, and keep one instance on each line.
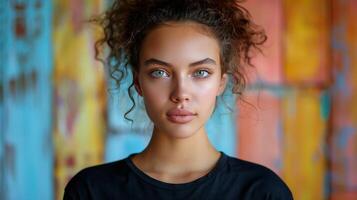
(159,73)
(201,73)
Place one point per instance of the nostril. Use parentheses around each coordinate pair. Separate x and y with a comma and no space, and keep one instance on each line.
(180,93)
(178,99)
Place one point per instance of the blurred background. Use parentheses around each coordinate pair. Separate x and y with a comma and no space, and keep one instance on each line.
(299,116)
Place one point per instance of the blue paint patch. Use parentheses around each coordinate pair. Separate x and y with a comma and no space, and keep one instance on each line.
(125,137)
(344,135)
(327,184)
(119,146)
(278,164)
(280,133)
(340,45)
(27,100)
(221,127)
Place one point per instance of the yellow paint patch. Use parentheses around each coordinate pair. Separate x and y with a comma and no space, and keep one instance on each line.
(80,94)
(306,41)
(305,131)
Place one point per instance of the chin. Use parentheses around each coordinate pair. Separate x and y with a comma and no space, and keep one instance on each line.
(181,135)
(180,131)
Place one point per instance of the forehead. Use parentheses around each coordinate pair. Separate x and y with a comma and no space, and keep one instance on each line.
(180,43)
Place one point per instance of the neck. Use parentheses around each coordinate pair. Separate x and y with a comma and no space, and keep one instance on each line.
(166,154)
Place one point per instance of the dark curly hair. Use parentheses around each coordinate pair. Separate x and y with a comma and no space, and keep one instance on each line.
(126,23)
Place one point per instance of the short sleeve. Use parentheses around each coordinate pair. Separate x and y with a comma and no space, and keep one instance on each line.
(271,187)
(76,188)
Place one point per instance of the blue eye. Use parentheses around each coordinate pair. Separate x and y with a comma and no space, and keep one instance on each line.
(159,74)
(201,74)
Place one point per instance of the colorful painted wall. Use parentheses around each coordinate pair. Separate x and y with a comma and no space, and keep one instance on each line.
(299,116)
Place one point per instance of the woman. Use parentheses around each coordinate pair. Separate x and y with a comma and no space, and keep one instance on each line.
(181,54)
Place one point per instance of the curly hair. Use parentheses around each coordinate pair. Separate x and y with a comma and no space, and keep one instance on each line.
(127,22)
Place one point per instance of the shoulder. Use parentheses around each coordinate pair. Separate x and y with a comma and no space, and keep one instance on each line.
(102,172)
(247,168)
(93,178)
(258,181)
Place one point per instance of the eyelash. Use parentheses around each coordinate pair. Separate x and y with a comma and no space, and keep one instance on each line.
(161,70)
(203,70)
(157,70)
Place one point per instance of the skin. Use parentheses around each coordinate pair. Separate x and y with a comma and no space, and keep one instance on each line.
(179,68)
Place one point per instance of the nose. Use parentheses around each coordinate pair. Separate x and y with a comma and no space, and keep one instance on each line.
(180,90)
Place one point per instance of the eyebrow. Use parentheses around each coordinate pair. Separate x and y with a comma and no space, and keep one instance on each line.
(152,61)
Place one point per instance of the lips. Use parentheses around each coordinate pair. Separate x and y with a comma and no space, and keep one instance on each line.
(180,116)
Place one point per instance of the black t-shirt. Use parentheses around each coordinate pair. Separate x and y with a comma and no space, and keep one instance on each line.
(231,178)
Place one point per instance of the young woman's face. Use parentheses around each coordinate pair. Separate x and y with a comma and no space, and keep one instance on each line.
(179,78)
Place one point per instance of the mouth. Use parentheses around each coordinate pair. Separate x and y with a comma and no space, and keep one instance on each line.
(180,116)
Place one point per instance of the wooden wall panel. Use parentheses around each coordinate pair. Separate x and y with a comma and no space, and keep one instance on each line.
(343,139)
(79,92)
(260,129)
(286,131)
(268,65)
(306,42)
(26,160)
(305,114)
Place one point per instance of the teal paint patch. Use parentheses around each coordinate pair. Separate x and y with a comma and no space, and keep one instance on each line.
(325,105)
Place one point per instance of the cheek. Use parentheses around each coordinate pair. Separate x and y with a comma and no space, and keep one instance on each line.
(208,89)
(154,98)
(206,94)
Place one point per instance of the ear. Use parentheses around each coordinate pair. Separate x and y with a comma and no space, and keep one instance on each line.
(137,84)
(222,84)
